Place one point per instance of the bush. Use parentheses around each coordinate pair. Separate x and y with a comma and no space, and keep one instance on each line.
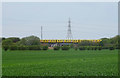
(105,47)
(5,47)
(7,42)
(45,47)
(111,48)
(99,48)
(34,47)
(76,48)
(56,47)
(117,47)
(13,47)
(65,47)
(37,47)
(22,47)
(88,48)
(92,48)
(95,48)
(14,39)
(30,47)
(82,48)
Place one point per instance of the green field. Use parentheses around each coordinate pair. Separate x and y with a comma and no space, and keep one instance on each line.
(60,63)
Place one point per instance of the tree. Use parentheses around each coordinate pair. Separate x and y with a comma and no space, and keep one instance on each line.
(14,39)
(7,42)
(5,47)
(3,38)
(114,42)
(30,40)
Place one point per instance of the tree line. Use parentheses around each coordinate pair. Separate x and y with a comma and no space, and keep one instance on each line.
(33,43)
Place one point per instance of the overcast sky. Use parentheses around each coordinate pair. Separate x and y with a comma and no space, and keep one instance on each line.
(89,20)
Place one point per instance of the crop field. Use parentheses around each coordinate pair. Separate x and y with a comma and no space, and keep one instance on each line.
(60,63)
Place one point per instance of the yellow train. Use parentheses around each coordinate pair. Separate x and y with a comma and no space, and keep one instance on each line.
(66,41)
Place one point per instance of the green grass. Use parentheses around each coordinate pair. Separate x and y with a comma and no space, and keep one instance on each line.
(60,63)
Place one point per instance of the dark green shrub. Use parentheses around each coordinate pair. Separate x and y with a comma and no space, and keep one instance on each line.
(14,39)
(13,47)
(85,47)
(95,48)
(82,48)
(92,48)
(22,47)
(117,47)
(76,48)
(88,48)
(5,47)
(30,47)
(105,47)
(65,47)
(56,47)
(99,48)
(34,47)
(7,42)
(111,48)
(37,47)
(45,47)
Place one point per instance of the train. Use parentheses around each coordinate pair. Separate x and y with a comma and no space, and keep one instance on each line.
(66,41)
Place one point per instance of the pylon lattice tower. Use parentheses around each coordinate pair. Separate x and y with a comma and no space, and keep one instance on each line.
(69,32)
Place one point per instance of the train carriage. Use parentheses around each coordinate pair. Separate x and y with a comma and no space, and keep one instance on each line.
(67,41)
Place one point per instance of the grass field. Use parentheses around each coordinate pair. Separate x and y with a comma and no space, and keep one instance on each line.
(60,63)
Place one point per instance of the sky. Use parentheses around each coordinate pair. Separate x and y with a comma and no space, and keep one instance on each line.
(89,20)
